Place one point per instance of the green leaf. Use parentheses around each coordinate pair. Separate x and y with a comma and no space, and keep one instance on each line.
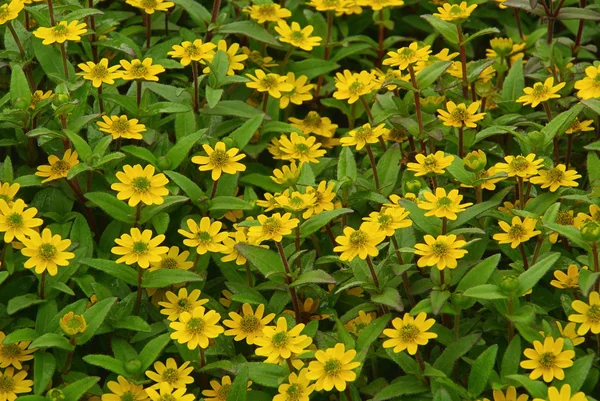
(447,29)
(243,134)
(575,375)
(115,208)
(371,332)
(388,169)
(24,334)
(514,83)
(472,212)
(177,154)
(511,358)
(485,291)
(108,363)
(313,276)
(482,369)
(229,203)
(536,388)
(485,31)
(118,270)
(252,30)
(197,12)
(190,188)
(50,60)
(479,274)
(569,232)
(404,385)
(530,277)
(313,68)
(82,147)
(318,221)
(574,13)
(164,277)
(213,96)
(265,374)
(134,323)
(3,276)
(52,340)
(266,261)
(152,350)
(390,297)
(22,302)
(76,390)
(561,123)
(94,317)
(148,212)
(346,167)
(427,76)
(44,366)
(29,181)
(587,279)
(239,386)
(141,153)
(429,225)
(453,351)
(19,87)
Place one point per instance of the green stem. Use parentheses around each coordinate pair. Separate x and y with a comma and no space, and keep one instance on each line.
(373,165)
(373,274)
(288,280)
(463,61)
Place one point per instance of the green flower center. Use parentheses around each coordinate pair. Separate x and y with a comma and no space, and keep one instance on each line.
(140,184)
(195,325)
(312,119)
(204,237)
(460,114)
(99,71)
(14,220)
(516,231)
(191,50)
(266,10)
(60,167)
(362,134)
(10,350)
(249,324)
(296,202)
(47,251)
(564,218)
(269,81)
(384,220)
(406,53)
(519,164)
(297,36)
(302,148)
(280,339)
(140,248)
(6,198)
(409,333)
(219,158)
(128,396)
(148,3)
(75,324)
(293,392)
(355,88)
(444,202)
(271,225)
(539,90)
(332,367)
(547,360)
(170,375)
(223,392)
(593,313)
(184,304)
(138,70)
(358,238)
(430,163)
(60,30)
(439,249)
(555,175)
(167,397)
(7,384)
(168,263)
(455,10)
(120,126)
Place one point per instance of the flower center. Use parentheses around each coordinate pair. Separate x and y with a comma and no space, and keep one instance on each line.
(430,163)
(204,237)
(547,360)
(539,90)
(47,251)
(168,263)
(140,184)
(460,114)
(294,391)
(271,225)
(312,119)
(128,396)
(455,10)
(593,313)
(332,367)
(99,71)
(120,126)
(296,202)
(140,248)
(516,231)
(167,397)
(355,87)
(269,81)
(297,36)
(10,350)
(60,30)
(555,175)
(219,158)
(519,164)
(362,134)
(223,392)
(148,3)
(444,202)
(439,249)
(384,220)
(191,50)
(406,53)
(280,339)
(60,167)
(358,238)
(14,220)
(266,10)
(409,333)
(139,70)
(302,148)
(249,324)
(195,325)
(75,324)
(184,304)
(170,375)
(7,384)
(564,218)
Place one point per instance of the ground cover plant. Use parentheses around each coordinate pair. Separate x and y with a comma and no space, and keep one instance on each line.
(325,200)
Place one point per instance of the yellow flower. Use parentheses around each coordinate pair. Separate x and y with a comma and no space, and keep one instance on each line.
(300,92)
(150,6)
(296,36)
(226,299)
(298,388)
(516,232)
(563,395)
(166,393)
(589,87)
(409,332)
(362,242)
(99,73)
(406,56)
(46,252)
(277,342)
(390,219)
(564,218)
(433,163)
(273,227)
(220,160)
(362,136)
(139,247)
(511,395)
(196,328)
(205,236)
(272,83)
(520,166)
(296,202)
(10,11)
(313,123)
(193,51)
(72,324)
(8,191)
(141,185)
(500,4)
(301,148)
(324,196)
(175,377)
(455,12)
(267,12)
(442,204)
(175,305)
(588,314)
(288,175)
(58,168)
(556,177)
(248,326)
(257,58)
(220,391)
(121,127)
(358,324)
(441,252)
(234,59)
(580,126)
(141,70)
(540,92)
(16,221)
(460,115)
(38,96)
(62,32)
(568,280)
(13,384)
(15,353)
(352,86)
(333,368)
(582,217)
(269,203)
(124,390)
(569,332)
(377,5)
(548,359)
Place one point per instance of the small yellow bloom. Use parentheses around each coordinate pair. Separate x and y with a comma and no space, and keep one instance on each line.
(389,75)
(272,83)
(38,96)
(569,332)
(296,202)
(297,388)
(333,368)
(167,393)
(267,12)
(46,252)
(359,323)
(269,203)
(517,232)
(234,59)
(441,252)
(273,227)
(193,51)
(313,123)
(588,314)
(460,115)
(563,395)
(300,92)
(122,127)
(230,251)
(15,353)
(377,5)
(568,280)
(288,175)
(72,324)
(150,6)
(139,247)
(409,332)
(124,390)
(580,126)
(296,36)
(99,73)
(442,204)
(248,326)
(362,242)
(141,70)
(589,87)
(220,160)
(141,185)
(324,196)
(352,86)
(278,343)
(58,168)
(455,12)
(8,192)
(301,148)
(520,166)
(220,391)
(62,32)
(16,221)
(175,305)
(13,384)
(541,92)
(205,236)
(362,136)
(433,163)
(511,395)
(548,360)
(390,219)
(196,328)
(171,374)
(556,177)
(406,56)
(10,11)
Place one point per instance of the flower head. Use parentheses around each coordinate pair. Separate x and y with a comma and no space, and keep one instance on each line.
(333,368)
(248,326)
(12,383)
(564,394)
(72,324)
(150,6)
(14,353)
(141,70)
(17,221)
(141,185)
(362,242)
(520,166)
(460,115)
(196,328)
(548,360)
(220,160)
(167,393)
(288,175)
(205,236)
(122,127)
(580,126)
(409,332)
(364,135)
(517,232)
(278,343)
(10,11)
(193,51)
(352,86)
(455,12)
(297,36)
(390,219)
(273,227)
(99,73)
(313,123)
(234,59)
(139,247)
(46,252)
(267,12)
(58,168)
(406,56)
(38,96)
(171,374)
(301,148)
(541,92)
(443,204)
(297,388)
(300,92)
(272,83)
(220,391)
(124,390)
(556,177)
(510,395)
(588,315)
(589,87)
(432,163)
(176,304)
(441,252)
(324,195)
(62,32)
(570,279)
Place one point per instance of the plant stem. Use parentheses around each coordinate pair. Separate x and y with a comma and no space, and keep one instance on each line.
(582,4)
(297,245)
(195,83)
(43,285)
(213,19)
(249,274)
(444,225)
(405,280)
(288,280)
(69,361)
(381,37)
(93,36)
(27,68)
(286,58)
(518,20)
(327,51)
(555,139)
(596,265)
(478,194)
(457,326)
(373,274)
(63,53)
(367,109)
(138,298)
(265,102)
(521,193)
(373,165)
(51,13)
(511,324)
(413,80)
(536,252)
(148,30)
(460,143)
(138,93)
(213,191)
(569,150)
(524,256)
(348,393)
(463,61)
(100,103)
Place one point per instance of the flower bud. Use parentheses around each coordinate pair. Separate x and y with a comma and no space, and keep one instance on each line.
(475,161)
(60,99)
(509,283)
(72,324)
(164,163)
(590,231)
(55,394)
(133,366)
(413,186)
(502,46)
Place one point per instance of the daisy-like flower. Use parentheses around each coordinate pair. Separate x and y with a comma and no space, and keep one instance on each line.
(377,5)
(99,73)
(359,323)
(72,324)
(297,388)
(460,115)
(248,326)
(62,32)
(409,332)
(220,160)
(406,56)
(13,384)
(230,251)
(269,203)
(556,177)
(432,163)
(296,202)
(205,236)
(324,196)
(234,59)
(352,86)
(548,360)
(255,57)
(272,83)
(141,185)
(567,280)
(38,96)
(582,217)
(15,353)
(589,87)
(122,127)
(176,304)
(541,92)
(171,374)
(141,70)
(510,395)
(196,328)
(563,395)
(267,12)
(300,93)
(10,11)
(301,148)
(58,168)
(173,260)
(8,192)
(278,343)
(362,136)
(455,12)
(441,252)
(166,393)
(588,315)
(16,221)
(486,182)
(333,368)
(362,242)
(273,227)
(390,219)
(150,6)
(313,123)
(570,332)
(220,391)
(288,175)
(391,74)
(520,166)
(124,390)
(517,232)
(46,252)
(297,36)
(193,51)
(443,204)
(580,126)
(139,247)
